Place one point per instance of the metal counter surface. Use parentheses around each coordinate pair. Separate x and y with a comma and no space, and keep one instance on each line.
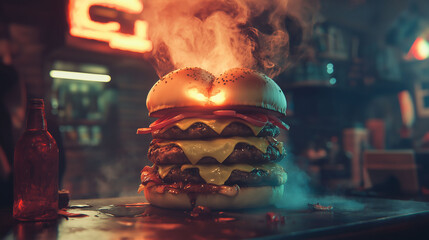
(132,218)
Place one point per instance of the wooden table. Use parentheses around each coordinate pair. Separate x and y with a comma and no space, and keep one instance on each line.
(121,218)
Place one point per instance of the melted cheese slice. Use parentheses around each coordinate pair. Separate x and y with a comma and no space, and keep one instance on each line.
(216,124)
(218,174)
(163,170)
(219,148)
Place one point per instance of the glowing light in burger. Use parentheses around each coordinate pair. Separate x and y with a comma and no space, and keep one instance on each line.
(215,99)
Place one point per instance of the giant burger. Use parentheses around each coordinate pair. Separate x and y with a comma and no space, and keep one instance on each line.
(214,140)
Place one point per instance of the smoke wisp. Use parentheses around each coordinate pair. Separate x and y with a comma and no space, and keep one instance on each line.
(217,35)
(299,193)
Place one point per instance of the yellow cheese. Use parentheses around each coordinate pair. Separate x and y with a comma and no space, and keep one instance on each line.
(219,148)
(216,124)
(163,170)
(218,174)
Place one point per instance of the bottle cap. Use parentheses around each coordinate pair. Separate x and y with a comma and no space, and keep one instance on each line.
(36,103)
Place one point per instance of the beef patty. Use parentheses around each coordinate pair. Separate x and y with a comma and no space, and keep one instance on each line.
(200,130)
(257,177)
(242,153)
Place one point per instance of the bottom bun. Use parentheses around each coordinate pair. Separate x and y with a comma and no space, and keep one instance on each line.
(247,197)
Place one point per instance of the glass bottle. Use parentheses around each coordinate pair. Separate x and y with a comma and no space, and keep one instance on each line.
(36,169)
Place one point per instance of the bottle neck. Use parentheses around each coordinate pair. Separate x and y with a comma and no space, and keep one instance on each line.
(36,119)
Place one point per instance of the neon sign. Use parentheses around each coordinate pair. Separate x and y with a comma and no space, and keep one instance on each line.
(81,24)
(419,50)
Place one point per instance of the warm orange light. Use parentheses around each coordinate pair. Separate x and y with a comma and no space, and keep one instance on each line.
(133,42)
(195,94)
(81,24)
(419,50)
(218,98)
(215,99)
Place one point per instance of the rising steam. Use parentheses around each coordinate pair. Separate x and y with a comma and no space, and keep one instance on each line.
(217,35)
(299,193)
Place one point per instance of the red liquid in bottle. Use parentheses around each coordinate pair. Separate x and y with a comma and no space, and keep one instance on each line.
(36,169)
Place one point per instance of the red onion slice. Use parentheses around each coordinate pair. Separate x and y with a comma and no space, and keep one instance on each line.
(252,120)
(144,130)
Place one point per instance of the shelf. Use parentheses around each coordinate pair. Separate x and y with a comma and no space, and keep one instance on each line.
(83,122)
(309,83)
(334,56)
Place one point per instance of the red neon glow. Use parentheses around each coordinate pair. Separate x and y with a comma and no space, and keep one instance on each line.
(407,108)
(419,50)
(81,24)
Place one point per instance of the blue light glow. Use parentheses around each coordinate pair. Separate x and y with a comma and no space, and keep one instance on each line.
(330,68)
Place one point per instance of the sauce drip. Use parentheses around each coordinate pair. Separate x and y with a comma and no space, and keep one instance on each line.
(192,199)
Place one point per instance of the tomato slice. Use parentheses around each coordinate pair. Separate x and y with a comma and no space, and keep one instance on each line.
(279,123)
(230,113)
(253,119)
(256,119)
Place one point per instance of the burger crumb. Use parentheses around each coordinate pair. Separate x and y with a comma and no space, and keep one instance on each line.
(200,211)
(318,207)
